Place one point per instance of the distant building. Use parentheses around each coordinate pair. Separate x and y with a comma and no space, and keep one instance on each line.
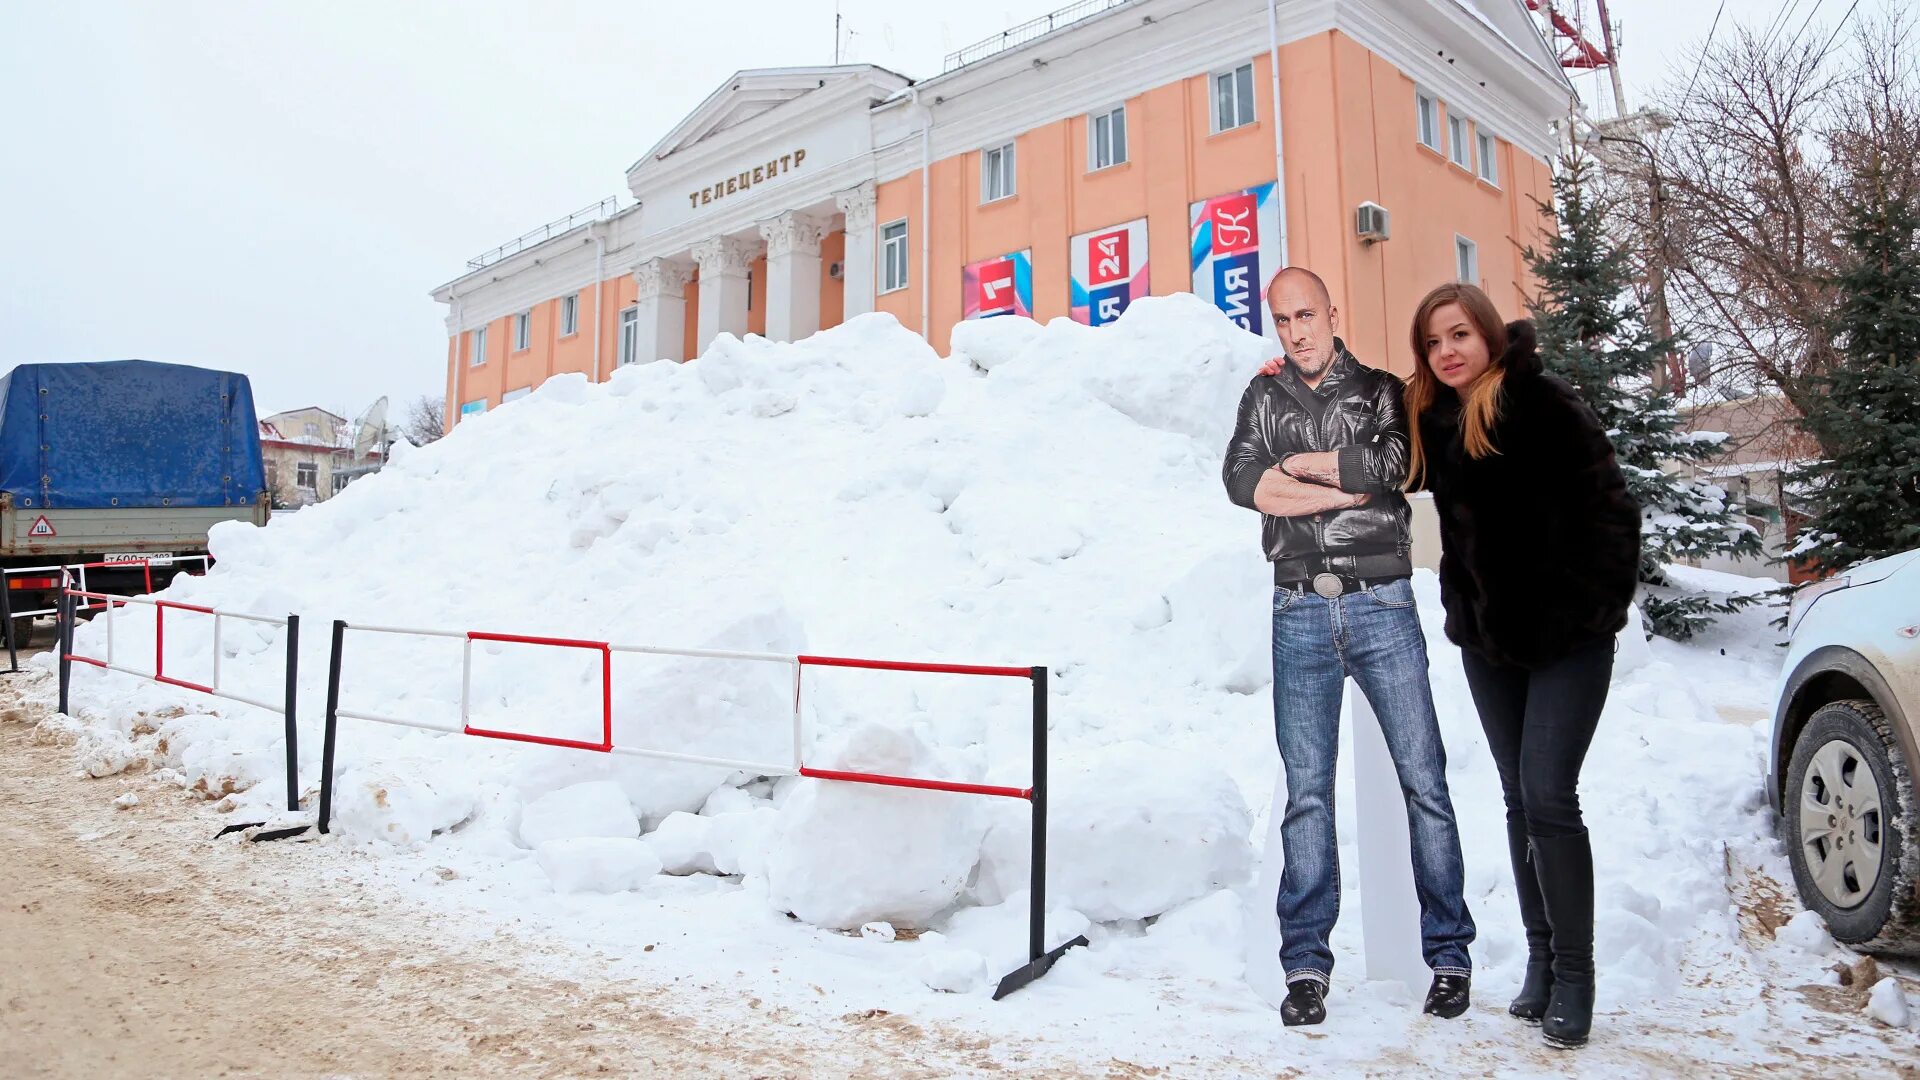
(1764,443)
(308,455)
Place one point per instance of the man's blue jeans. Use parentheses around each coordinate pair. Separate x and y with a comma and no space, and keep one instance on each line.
(1374,636)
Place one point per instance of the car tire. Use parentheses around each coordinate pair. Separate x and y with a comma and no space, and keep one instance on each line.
(1886,916)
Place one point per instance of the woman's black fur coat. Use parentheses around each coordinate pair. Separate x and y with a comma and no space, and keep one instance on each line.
(1540,542)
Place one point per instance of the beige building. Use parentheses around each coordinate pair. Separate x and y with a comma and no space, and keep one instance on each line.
(308,454)
(1764,443)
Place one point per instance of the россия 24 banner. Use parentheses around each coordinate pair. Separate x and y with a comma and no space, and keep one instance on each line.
(1236,251)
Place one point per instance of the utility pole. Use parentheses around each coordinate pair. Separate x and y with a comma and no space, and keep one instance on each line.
(1669,374)
(1613,60)
(836,34)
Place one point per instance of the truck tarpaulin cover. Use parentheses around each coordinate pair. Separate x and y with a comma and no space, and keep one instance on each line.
(145,434)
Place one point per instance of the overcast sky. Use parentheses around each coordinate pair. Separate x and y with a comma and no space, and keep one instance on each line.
(273,187)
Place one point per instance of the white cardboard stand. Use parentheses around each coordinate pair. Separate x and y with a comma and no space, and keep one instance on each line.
(1389,907)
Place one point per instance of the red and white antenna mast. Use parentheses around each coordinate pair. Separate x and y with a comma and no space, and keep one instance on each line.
(1573,48)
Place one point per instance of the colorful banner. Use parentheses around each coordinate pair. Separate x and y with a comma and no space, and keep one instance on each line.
(999,286)
(1236,252)
(1108,271)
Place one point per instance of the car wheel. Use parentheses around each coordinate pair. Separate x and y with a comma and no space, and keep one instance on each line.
(1851,828)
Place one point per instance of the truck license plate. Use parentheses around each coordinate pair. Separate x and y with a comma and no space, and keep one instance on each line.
(152,558)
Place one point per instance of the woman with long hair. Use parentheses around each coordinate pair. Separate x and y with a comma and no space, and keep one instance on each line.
(1540,552)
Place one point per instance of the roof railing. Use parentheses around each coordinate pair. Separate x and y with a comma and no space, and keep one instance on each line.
(599,211)
(1027,31)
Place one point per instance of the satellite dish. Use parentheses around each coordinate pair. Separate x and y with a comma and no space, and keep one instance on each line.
(370,433)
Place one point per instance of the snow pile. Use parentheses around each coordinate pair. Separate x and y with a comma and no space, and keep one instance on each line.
(1047,495)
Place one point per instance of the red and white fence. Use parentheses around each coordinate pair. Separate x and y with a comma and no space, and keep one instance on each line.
(113,661)
(1039,957)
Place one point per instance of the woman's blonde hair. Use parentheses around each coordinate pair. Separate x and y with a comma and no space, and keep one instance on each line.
(1480,403)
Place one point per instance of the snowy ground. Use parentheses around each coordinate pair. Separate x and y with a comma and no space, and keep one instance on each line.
(1048,495)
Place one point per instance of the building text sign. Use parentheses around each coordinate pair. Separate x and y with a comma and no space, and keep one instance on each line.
(997,286)
(747,178)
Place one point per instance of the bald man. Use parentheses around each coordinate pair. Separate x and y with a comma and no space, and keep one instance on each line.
(1320,450)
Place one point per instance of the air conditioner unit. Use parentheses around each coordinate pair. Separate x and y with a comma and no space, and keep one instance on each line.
(834,271)
(1372,223)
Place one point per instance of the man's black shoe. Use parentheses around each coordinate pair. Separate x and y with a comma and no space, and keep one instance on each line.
(1449,996)
(1306,1003)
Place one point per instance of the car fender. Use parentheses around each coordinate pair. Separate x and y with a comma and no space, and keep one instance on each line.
(1821,661)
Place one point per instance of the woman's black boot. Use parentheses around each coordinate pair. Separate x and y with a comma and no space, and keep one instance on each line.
(1565,864)
(1531,1003)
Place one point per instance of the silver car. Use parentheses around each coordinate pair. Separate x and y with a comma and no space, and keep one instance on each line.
(1845,751)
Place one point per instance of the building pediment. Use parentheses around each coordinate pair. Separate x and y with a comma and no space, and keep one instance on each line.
(744,101)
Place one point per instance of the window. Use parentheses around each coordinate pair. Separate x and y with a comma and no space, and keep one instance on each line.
(893,256)
(1459,145)
(629,335)
(1233,98)
(570,314)
(313,430)
(340,482)
(1428,112)
(1466,259)
(1489,164)
(996,173)
(479,348)
(306,475)
(473,408)
(1107,139)
(515,395)
(522,331)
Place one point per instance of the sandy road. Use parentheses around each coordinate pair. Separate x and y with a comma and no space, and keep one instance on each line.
(106,917)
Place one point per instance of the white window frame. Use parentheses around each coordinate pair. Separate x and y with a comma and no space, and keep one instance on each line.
(1489,156)
(1246,110)
(479,354)
(1426,107)
(515,395)
(628,349)
(999,176)
(1114,123)
(1466,260)
(893,257)
(306,476)
(523,331)
(1459,140)
(570,314)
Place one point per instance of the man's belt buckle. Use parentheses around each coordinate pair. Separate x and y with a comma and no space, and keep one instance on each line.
(1328,585)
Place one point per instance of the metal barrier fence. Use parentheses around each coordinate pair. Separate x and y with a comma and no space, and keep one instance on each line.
(68,574)
(1039,957)
(287,707)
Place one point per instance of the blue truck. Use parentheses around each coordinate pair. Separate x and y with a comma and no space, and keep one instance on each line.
(124,465)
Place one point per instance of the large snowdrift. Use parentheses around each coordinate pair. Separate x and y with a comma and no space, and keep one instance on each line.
(1046,495)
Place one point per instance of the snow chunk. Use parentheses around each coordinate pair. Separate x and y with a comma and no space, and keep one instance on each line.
(954,971)
(403,802)
(600,864)
(127,801)
(684,843)
(849,854)
(1888,1004)
(595,808)
(877,931)
(1807,931)
(1117,810)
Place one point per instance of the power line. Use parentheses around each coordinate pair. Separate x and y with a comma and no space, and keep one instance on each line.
(1691,83)
(1804,23)
(1779,20)
(1837,29)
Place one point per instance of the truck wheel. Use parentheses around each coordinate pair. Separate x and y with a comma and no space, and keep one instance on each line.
(1853,828)
(22,631)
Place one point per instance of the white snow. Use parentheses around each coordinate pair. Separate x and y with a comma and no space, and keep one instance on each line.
(1888,1004)
(1048,495)
(601,864)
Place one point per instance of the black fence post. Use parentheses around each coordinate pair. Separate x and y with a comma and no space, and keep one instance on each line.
(293,726)
(332,724)
(6,612)
(65,630)
(1039,959)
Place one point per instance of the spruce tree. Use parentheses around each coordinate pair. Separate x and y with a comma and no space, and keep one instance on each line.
(1863,501)
(1592,333)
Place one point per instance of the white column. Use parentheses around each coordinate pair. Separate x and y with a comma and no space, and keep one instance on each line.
(723,288)
(856,266)
(662,304)
(793,274)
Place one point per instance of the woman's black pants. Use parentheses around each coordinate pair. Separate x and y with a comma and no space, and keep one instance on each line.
(1539,724)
